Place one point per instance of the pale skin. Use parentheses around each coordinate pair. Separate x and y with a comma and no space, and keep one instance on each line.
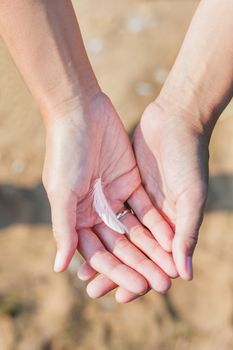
(85,140)
(172,138)
(170,145)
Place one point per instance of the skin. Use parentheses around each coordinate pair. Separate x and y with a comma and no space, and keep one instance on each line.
(82,144)
(170,144)
(71,193)
(171,141)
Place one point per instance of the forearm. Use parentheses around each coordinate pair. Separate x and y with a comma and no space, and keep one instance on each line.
(44,39)
(200,84)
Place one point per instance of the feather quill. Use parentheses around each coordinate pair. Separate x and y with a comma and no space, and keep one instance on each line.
(104,211)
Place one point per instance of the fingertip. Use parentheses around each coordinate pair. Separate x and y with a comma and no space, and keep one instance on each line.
(171,269)
(164,286)
(59,264)
(187,274)
(142,287)
(95,291)
(158,280)
(183,262)
(129,279)
(91,292)
(85,272)
(187,278)
(123,296)
(173,273)
(136,283)
(100,286)
(63,258)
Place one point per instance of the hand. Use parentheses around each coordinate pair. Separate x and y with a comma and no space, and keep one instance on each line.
(84,144)
(126,252)
(172,156)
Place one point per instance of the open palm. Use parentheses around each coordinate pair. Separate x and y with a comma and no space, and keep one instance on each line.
(172,156)
(87,144)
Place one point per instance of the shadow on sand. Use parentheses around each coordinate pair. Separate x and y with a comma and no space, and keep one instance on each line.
(30,205)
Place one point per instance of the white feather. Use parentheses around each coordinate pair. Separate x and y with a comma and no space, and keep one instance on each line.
(104,210)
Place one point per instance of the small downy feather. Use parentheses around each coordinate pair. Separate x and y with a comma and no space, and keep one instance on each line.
(104,211)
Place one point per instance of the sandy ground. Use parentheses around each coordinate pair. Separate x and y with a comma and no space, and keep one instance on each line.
(132,44)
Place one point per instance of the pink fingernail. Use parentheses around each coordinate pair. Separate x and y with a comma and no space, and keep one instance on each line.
(189,266)
(58,262)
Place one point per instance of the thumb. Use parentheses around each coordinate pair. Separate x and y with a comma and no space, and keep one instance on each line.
(63,210)
(189,210)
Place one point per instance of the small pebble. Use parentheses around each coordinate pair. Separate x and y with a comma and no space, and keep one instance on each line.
(144,88)
(95,46)
(160,75)
(18,166)
(136,24)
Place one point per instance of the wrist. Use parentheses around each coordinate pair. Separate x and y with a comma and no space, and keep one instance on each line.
(78,113)
(69,99)
(181,99)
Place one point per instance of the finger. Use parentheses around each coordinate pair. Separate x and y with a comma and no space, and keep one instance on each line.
(104,262)
(85,272)
(151,218)
(124,296)
(143,239)
(63,210)
(120,246)
(100,286)
(189,218)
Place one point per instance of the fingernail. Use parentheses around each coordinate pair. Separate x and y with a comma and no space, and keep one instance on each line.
(189,267)
(58,262)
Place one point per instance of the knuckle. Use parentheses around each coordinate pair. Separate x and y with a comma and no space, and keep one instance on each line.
(144,210)
(119,267)
(159,221)
(121,244)
(69,239)
(137,232)
(100,254)
(116,269)
(161,227)
(142,263)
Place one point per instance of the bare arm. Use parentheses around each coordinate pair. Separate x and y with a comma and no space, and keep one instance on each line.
(45,41)
(177,126)
(200,84)
(85,141)
(171,140)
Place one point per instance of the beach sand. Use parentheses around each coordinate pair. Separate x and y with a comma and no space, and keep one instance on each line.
(132,45)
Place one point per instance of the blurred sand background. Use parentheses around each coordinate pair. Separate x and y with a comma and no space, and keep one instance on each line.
(132,45)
